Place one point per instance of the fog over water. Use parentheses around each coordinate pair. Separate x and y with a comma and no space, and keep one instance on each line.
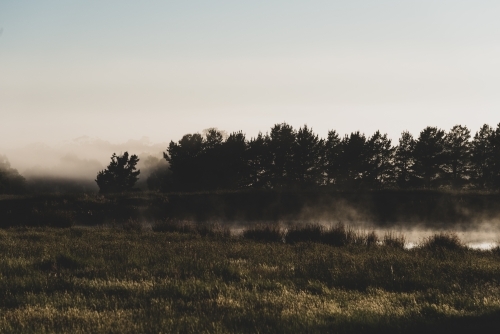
(81,158)
(478,236)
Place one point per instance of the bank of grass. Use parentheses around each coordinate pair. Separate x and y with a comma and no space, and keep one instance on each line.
(111,280)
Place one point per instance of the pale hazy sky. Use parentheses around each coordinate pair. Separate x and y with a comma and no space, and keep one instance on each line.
(120,70)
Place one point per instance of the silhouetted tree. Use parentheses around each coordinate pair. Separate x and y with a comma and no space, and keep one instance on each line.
(380,161)
(353,161)
(184,158)
(333,150)
(259,162)
(308,158)
(212,161)
(404,161)
(287,158)
(121,174)
(457,153)
(281,148)
(495,140)
(429,156)
(10,180)
(234,161)
(482,157)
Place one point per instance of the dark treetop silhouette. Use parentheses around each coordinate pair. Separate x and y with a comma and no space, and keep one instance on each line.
(121,174)
(287,158)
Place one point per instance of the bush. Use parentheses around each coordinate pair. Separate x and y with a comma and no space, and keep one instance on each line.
(442,240)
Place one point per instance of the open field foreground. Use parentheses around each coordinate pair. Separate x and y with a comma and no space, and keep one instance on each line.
(109,280)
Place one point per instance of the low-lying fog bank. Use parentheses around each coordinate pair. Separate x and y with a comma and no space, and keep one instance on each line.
(475,217)
(478,236)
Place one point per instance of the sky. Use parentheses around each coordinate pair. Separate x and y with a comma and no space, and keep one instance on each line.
(151,71)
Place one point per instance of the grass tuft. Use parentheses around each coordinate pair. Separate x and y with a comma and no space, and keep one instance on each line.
(339,235)
(443,240)
(304,233)
(394,240)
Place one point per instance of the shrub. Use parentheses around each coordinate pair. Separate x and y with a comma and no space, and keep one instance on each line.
(443,240)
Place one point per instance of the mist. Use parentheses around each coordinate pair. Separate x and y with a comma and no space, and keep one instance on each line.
(72,165)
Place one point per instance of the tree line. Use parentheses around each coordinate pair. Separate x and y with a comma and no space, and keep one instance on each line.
(286,158)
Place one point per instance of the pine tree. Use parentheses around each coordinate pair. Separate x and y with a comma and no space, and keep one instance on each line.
(333,150)
(429,154)
(482,157)
(380,160)
(308,158)
(404,161)
(121,174)
(457,153)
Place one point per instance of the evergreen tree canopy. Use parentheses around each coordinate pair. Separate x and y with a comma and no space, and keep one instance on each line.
(259,160)
(353,162)
(333,150)
(308,158)
(457,156)
(184,158)
(429,154)
(293,159)
(482,157)
(495,159)
(404,161)
(121,174)
(380,159)
(282,146)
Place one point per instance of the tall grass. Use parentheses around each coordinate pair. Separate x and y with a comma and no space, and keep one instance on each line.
(443,240)
(335,235)
(108,280)
(394,240)
(210,229)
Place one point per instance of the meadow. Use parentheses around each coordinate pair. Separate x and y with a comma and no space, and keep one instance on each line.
(182,277)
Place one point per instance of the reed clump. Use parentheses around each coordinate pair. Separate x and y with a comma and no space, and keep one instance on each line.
(336,235)
(305,233)
(394,240)
(443,240)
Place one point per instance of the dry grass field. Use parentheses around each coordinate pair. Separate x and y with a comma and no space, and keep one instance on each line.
(132,280)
